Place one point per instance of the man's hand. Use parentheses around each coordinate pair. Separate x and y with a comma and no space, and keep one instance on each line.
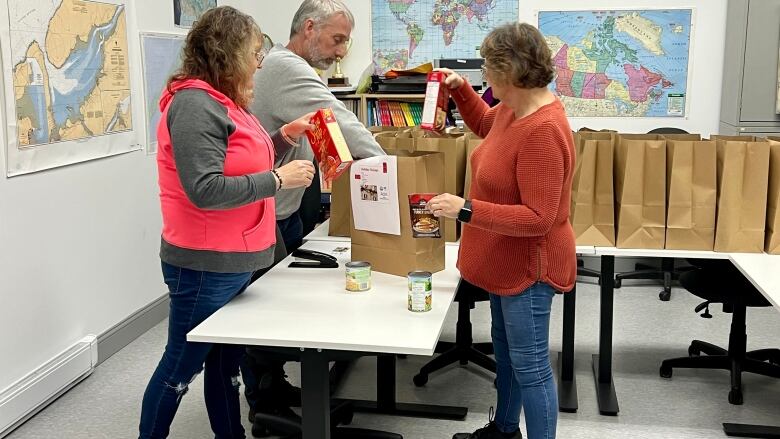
(446,205)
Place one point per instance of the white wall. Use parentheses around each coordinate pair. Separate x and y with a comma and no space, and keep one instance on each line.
(78,249)
(78,244)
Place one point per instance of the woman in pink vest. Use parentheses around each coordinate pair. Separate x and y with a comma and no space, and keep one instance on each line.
(217,187)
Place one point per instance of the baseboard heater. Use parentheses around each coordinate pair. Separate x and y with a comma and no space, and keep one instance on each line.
(29,395)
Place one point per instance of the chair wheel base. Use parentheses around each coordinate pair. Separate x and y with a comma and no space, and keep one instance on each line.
(420,379)
(665,296)
(618,283)
(665,372)
(735,397)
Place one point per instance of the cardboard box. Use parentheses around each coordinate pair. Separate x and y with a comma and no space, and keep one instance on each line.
(437,96)
(328,144)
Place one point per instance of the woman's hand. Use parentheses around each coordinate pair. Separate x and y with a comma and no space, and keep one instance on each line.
(454,80)
(446,205)
(298,127)
(297,173)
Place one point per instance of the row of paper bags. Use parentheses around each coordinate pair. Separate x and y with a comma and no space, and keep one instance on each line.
(677,192)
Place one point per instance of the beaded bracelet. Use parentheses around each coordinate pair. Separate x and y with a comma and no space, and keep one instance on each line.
(278,178)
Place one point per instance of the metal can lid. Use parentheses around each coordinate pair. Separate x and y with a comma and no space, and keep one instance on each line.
(358,264)
(420,274)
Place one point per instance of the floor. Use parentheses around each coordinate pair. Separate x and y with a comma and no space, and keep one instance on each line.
(692,404)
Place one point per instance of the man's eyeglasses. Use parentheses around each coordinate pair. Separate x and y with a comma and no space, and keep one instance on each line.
(260,56)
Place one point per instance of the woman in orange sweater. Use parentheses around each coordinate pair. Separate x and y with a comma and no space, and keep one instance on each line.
(517,242)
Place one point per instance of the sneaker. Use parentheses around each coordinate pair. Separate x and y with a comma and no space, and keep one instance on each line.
(489,431)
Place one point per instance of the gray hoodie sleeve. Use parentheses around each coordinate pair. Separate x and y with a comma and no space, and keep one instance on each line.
(199,127)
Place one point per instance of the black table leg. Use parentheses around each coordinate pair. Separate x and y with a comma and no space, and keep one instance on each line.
(567,383)
(602,363)
(756,431)
(386,403)
(315,395)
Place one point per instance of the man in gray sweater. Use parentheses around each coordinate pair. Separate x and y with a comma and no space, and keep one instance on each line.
(285,87)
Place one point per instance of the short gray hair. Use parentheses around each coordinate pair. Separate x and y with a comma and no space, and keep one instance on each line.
(319,11)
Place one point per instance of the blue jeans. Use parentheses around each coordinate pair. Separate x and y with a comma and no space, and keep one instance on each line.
(195,295)
(252,369)
(521,333)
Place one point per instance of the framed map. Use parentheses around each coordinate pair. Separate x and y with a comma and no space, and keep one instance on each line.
(406,33)
(67,83)
(777,98)
(620,63)
(185,12)
(161,58)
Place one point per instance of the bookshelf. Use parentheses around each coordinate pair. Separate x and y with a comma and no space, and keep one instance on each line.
(368,101)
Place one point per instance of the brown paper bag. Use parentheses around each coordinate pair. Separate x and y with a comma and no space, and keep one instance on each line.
(419,172)
(640,192)
(472,142)
(340,207)
(743,177)
(772,241)
(592,212)
(453,146)
(691,194)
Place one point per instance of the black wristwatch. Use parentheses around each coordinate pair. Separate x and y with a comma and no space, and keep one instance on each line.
(464,215)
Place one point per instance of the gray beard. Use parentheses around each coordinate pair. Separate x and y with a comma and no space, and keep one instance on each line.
(316,59)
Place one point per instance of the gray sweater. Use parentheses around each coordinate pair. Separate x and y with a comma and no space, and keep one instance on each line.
(286,88)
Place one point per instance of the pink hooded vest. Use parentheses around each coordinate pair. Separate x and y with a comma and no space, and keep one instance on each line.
(249,228)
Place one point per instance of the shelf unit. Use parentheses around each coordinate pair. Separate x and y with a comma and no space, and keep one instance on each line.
(366,97)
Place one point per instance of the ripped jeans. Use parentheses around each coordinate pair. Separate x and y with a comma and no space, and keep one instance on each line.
(195,295)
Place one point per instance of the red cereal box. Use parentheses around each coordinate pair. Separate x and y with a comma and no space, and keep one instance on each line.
(437,96)
(328,144)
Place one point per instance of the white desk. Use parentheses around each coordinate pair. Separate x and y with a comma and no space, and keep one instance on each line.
(760,268)
(309,312)
(763,271)
(320,233)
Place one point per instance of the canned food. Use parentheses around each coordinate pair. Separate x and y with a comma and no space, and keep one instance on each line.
(358,276)
(420,291)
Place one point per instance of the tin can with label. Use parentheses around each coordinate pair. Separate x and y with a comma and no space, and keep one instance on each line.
(358,276)
(420,291)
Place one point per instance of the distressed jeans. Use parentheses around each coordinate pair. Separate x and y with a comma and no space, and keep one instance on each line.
(195,295)
(521,332)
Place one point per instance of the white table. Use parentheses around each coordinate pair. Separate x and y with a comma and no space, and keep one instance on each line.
(757,267)
(763,271)
(567,385)
(308,311)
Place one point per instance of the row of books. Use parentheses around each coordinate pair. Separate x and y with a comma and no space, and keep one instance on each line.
(394,113)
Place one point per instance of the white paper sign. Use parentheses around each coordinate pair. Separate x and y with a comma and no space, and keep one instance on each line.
(373,185)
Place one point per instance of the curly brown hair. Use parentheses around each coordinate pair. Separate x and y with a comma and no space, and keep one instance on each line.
(217,50)
(517,54)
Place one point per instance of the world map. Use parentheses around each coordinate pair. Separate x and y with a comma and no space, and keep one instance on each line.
(185,12)
(70,70)
(630,63)
(406,33)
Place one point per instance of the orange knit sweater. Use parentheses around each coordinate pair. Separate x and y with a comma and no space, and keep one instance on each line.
(521,176)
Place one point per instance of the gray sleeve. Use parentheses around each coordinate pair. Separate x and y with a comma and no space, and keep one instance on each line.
(281,147)
(296,90)
(199,128)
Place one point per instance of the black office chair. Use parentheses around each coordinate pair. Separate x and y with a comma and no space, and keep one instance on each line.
(667,273)
(463,350)
(718,281)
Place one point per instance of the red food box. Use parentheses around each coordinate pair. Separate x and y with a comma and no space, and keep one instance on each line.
(437,96)
(328,144)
